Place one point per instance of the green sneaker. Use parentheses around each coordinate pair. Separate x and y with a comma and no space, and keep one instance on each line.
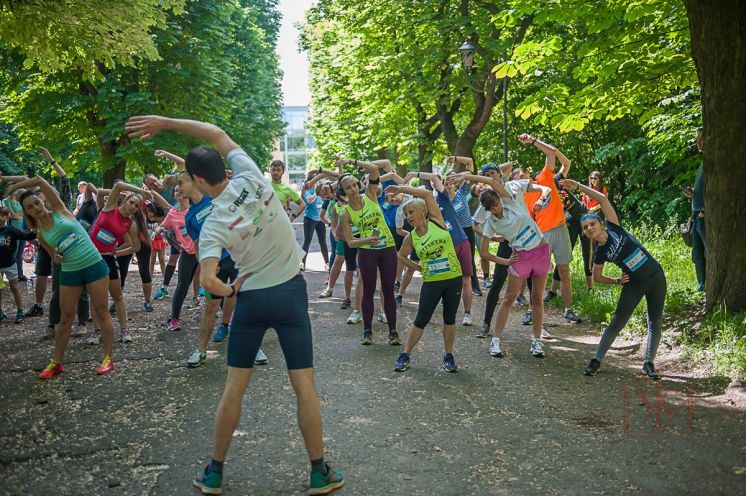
(210,482)
(325,483)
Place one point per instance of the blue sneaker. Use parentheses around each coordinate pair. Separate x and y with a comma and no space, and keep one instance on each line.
(160,293)
(201,292)
(402,363)
(449,363)
(325,483)
(209,482)
(221,333)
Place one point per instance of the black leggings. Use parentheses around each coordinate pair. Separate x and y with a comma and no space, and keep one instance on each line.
(187,267)
(143,265)
(498,279)
(654,291)
(309,226)
(431,293)
(472,244)
(575,230)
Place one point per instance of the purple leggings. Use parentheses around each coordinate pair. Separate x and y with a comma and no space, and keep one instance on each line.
(370,263)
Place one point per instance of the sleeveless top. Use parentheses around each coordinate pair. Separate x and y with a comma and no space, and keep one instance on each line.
(71,241)
(108,230)
(367,219)
(437,255)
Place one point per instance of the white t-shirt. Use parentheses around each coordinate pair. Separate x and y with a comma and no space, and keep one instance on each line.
(516,225)
(249,221)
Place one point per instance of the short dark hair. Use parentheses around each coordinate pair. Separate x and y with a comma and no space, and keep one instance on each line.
(5,210)
(206,163)
(488,198)
(277,163)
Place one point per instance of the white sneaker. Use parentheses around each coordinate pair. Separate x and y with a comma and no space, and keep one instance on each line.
(521,300)
(126,337)
(495,349)
(261,358)
(327,293)
(382,318)
(354,317)
(467,320)
(545,334)
(536,349)
(94,338)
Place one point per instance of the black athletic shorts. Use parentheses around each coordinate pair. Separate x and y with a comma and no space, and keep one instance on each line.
(111,262)
(227,271)
(350,257)
(43,263)
(285,309)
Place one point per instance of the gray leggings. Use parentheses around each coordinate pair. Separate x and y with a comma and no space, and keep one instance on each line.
(187,267)
(654,291)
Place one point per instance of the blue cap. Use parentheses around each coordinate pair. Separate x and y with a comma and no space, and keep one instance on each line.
(489,166)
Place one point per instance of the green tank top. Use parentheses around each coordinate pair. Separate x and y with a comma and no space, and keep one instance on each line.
(71,241)
(367,219)
(438,259)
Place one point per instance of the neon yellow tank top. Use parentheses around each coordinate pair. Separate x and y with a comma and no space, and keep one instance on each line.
(367,219)
(438,259)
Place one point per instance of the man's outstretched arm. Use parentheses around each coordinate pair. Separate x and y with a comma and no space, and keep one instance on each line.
(147,126)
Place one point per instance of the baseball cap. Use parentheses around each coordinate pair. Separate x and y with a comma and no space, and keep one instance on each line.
(489,166)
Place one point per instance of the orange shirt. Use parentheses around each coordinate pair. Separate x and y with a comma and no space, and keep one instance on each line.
(590,202)
(553,214)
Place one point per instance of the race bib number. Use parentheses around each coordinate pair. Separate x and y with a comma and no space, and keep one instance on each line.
(381,243)
(449,226)
(67,242)
(636,260)
(183,231)
(525,237)
(105,237)
(438,266)
(200,217)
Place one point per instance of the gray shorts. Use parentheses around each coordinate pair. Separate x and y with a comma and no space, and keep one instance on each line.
(559,244)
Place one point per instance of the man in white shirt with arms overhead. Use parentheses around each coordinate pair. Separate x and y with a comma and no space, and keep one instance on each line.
(248,220)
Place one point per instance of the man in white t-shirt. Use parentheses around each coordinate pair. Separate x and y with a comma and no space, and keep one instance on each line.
(248,220)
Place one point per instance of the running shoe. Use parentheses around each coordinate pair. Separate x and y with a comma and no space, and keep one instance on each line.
(467,320)
(201,292)
(325,483)
(449,363)
(346,303)
(397,285)
(398,300)
(106,365)
(536,348)
(193,304)
(649,370)
(484,330)
(382,318)
(160,293)
(527,319)
(126,337)
(402,363)
(51,370)
(545,334)
(221,333)
(196,359)
(209,482)
(174,325)
(394,339)
(148,306)
(327,293)
(550,296)
(592,368)
(521,300)
(36,310)
(571,316)
(367,338)
(486,283)
(94,338)
(476,291)
(495,349)
(261,358)
(19,316)
(354,317)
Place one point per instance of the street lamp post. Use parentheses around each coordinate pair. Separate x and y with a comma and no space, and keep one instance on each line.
(467,64)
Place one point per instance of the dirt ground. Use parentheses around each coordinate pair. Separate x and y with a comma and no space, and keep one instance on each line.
(516,425)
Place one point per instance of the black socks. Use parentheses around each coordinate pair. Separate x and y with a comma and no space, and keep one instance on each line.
(215,466)
(319,466)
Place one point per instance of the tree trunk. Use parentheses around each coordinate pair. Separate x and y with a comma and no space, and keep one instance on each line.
(719,53)
(108,154)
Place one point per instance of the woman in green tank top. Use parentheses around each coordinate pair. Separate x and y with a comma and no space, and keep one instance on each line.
(440,268)
(81,265)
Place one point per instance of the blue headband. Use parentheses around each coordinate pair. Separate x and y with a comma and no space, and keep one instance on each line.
(589,217)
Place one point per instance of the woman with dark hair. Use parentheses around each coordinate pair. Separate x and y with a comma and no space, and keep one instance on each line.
(642,275)
(139,231)
(312,221)
(596,183)
(375,245)
(111,229)
(81,265)
(155,215)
